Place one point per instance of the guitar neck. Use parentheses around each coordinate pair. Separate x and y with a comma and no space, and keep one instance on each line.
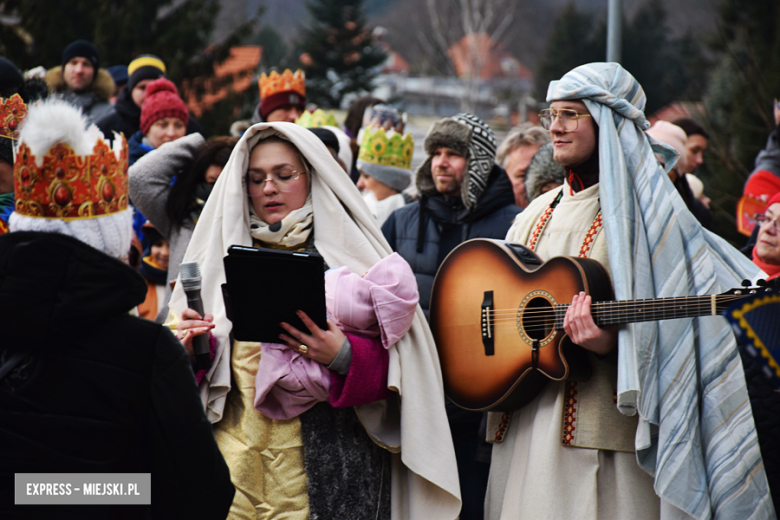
(633,311)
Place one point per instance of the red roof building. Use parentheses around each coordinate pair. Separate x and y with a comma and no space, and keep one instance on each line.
(235,74)
(478,55)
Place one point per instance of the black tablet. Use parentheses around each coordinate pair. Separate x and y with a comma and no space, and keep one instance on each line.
(265,287)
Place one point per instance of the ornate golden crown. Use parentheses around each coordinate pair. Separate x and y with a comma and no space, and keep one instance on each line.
(394,150)
(316,119)
(274,83)
(70,186)
(12,112)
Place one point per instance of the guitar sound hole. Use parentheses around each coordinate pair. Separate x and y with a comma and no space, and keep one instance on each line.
(538,318)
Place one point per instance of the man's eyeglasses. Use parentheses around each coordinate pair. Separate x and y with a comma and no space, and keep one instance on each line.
(569,118)
(284,179)
(764,220)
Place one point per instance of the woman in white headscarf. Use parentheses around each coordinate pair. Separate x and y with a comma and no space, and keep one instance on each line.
(329,462)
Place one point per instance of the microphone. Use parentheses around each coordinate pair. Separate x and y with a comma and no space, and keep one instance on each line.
(190,281)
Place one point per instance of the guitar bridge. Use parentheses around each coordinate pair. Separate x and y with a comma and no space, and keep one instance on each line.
(488,323)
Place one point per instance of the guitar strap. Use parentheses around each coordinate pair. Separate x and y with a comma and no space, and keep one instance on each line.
(590,236)
(570,408)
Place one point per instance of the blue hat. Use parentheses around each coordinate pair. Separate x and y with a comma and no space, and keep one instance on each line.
(118,73)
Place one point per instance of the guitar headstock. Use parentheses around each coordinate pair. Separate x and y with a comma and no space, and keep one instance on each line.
(761,286)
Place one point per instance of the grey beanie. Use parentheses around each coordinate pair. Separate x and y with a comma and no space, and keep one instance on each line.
(395,177)
(542,170)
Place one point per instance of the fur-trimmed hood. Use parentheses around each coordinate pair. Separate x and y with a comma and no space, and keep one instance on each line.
(543,169)
(102,84)
(469,136)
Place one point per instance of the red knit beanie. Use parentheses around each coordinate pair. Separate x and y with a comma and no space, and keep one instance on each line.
(162,100)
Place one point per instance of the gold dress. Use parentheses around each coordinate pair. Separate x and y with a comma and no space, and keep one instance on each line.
(265,456)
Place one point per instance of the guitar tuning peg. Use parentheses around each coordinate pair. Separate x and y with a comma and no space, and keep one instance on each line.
(746,283)
(761,283)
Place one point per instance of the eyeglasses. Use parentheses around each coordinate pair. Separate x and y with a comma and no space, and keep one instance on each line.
(284,179)
(764,220)
(569,118)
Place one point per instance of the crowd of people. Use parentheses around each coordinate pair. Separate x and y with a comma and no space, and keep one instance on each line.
(108,184)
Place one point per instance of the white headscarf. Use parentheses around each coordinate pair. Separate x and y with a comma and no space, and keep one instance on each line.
(425,475)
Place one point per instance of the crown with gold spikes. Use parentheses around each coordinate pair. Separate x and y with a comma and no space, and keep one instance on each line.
(69,186)
(288,81)
(12,112)
(386,149)
(316,119)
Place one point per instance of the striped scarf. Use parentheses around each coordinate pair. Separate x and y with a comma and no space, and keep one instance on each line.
(696,433)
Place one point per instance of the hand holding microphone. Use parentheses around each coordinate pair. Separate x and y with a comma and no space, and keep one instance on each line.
(194,324)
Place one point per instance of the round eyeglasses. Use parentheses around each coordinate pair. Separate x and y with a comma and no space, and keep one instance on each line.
(568,117)
(284,179)
(767,221)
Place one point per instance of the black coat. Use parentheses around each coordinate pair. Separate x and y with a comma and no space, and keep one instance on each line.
(125,118)
(99,391)
(425,232)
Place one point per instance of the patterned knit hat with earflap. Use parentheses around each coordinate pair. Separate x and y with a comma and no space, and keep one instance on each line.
(469,136)
(162,100)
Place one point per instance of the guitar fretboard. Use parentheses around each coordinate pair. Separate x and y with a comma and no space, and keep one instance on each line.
(632,311)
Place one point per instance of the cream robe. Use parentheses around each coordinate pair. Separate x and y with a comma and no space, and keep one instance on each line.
(424,470)
(533,476)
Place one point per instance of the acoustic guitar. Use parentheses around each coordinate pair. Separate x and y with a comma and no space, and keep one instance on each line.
(497,317)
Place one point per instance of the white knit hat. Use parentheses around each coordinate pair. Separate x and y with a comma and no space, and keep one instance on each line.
(68,180)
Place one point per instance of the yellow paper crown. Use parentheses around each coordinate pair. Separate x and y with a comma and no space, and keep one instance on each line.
(275,83)
(70,186)
(316,119)
(12,112)
(386,149)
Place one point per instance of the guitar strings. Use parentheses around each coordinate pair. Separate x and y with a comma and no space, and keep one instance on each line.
(660,301)
(541,319)
(532,317)
(546,320)
(611,307)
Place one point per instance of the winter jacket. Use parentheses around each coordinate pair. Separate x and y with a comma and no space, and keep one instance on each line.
(93,101)
(768,159)
(765,403)
(136,147)
(425,232)
(98,390)
(149,184)
(125,118)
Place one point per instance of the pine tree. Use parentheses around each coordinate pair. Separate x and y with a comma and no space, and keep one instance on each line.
(739,101)
(274,49)
(337,51)
(661,64)
(177,32)
(576,39)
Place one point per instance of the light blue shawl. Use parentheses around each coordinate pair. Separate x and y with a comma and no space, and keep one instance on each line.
(676,371)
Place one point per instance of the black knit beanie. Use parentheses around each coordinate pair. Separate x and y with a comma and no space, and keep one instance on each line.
(146,66)
(81,49)
(327,137)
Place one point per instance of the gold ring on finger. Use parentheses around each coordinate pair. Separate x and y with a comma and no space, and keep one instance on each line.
(303,349)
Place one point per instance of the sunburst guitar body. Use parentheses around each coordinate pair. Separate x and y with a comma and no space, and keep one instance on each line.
(497,313)
(493,313)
